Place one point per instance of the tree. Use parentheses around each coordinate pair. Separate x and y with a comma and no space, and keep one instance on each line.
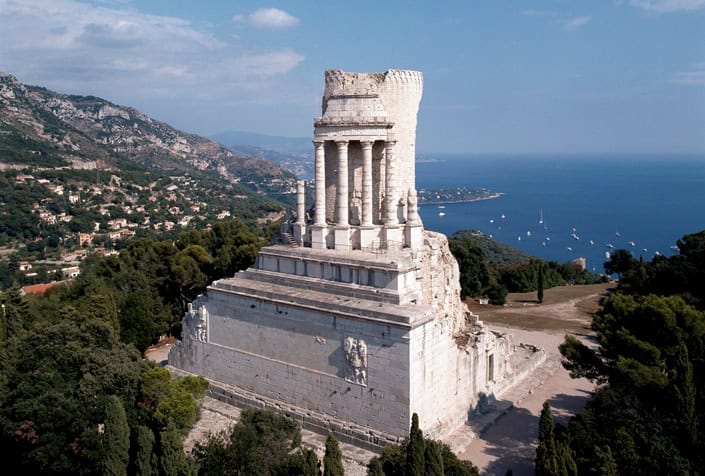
(143,452)
(374,468)
(333,459)
(415,449)
(539,292)
(546,463)
(114,439)
(433,461)
(621,261)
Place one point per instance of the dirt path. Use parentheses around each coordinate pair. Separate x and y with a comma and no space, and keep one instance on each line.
(510,443)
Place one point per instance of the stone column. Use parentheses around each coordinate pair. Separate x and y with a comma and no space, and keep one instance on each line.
(393,233)
(299,227)
(300,203)
(366,183)
(319,230)
(342,223)
(341,202)
(320,218)
(413,232)
(390,200)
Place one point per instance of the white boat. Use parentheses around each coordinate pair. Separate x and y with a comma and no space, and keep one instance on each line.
(610,245)
(528,233)
(548,238)
(607,254)
(441,206)
(631,243)
(503,216)
(519,238)
(592,242)
(569,248)
(492,220)
(541,217)
(543,243)
(441,214)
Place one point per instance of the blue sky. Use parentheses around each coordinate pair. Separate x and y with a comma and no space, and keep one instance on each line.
(552,76)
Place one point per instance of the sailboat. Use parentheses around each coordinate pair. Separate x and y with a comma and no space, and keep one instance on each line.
(541,217)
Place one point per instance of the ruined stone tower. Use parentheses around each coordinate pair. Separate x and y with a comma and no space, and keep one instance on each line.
(354,322)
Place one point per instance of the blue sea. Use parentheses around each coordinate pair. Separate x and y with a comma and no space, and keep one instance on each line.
(640,203)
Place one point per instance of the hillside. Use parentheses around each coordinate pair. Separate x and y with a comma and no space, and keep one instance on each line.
(42,128)
(292,153)
(81,174)
(495,253)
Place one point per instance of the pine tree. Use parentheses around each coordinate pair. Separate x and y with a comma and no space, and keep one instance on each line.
(115,439)
(415,449)
(333,459)
(539,293)
(546,457)
(433,460)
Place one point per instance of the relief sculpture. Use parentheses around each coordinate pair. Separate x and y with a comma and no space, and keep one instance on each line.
(356,359)
(197,322)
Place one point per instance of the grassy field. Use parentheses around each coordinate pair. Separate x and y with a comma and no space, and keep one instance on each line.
(564,309)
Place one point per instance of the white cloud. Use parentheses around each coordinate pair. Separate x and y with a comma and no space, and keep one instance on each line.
(117,52)
(574,24)
(268,18)
(668,6)
(694,77)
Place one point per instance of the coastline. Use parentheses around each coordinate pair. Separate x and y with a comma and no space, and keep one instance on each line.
(478,199)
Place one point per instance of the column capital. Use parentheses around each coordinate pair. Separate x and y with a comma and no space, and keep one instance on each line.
(390,143)
(318,142)
(367,144)
(341,142)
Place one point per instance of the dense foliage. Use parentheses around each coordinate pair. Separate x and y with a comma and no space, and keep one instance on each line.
(646,418)
(75,399)
(261,443)
(151,282)
(420,456)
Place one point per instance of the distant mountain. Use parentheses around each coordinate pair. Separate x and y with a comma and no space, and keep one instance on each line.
(42,128)
(292,153)
(277,143)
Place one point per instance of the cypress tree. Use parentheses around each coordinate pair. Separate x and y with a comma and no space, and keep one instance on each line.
(115,440)
(539,293)
(433,460)
(333,459)
(143,464)
(374,468)
(415,449)
(607,465)
(546,463)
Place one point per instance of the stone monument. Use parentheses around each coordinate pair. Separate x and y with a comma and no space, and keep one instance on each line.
(354,321)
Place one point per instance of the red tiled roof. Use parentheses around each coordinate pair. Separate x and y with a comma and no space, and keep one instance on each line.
(40,289)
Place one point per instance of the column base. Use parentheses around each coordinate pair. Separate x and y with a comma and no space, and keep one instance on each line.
(368,236)
(299,233)
(414,236)
(342,238)
(319,237)
(394,237)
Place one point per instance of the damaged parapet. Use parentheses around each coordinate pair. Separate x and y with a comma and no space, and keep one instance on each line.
(365,148)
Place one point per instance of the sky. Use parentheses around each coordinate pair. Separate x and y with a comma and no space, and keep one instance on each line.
(514,77)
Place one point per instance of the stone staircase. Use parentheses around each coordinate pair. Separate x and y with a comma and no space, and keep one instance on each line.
(286,238)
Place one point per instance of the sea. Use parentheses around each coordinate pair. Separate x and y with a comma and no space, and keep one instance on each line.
(563,207)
